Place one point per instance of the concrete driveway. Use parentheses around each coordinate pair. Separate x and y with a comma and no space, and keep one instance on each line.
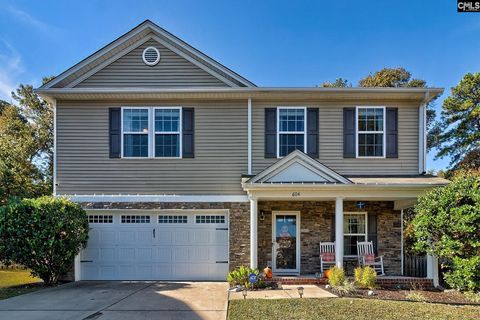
(101,300)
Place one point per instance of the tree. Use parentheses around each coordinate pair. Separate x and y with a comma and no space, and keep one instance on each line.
(338,83)
(43,234)
(447,225)
(19,176)
(460,121)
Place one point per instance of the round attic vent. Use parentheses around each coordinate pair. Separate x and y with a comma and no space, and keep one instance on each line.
(151,56)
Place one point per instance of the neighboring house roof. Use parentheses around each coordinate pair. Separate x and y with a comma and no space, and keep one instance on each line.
(140,34)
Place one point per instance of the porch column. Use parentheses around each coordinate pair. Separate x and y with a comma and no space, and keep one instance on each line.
(432,269)
(339,232)
(253,232)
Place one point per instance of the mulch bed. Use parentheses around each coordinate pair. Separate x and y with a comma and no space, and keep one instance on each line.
(433,296)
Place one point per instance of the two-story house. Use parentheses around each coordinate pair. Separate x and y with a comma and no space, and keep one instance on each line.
(188,170)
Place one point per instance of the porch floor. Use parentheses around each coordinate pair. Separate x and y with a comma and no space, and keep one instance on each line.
(393,282)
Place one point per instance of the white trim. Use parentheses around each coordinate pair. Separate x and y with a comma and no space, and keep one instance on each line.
(364,213)
(304,132)
(249,133)
(253,233)
(401,243)
(54,105)
(298,255)
(156,198)
(107,62)
(357,132)
(148,63)
(339,238)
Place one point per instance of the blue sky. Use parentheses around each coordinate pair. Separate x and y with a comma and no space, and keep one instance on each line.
(272,43)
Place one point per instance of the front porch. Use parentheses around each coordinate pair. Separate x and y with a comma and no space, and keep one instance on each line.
(298,202)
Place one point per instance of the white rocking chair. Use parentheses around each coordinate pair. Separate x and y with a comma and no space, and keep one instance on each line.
(327,255)
(366,257)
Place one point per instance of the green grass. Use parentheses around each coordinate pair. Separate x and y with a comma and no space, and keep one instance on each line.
(14,282)
(347,309)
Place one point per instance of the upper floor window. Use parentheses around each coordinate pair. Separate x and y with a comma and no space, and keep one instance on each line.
(370,132)
(135,132)
(291,124)
(167,132)
(139,141)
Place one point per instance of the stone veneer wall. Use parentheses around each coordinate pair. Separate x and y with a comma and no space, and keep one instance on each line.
(239,221)
(316,225)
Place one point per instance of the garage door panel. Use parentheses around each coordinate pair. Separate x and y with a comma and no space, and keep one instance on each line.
(175,249)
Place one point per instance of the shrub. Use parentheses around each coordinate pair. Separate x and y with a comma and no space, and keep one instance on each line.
(415,296)
(43,234)
(447,225)
(337,277)
(365,277)
(347,288)
(239,277)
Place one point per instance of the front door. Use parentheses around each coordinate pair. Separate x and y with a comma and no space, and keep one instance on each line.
(286,242)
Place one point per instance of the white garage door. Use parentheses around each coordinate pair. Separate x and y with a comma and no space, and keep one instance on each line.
(156,247)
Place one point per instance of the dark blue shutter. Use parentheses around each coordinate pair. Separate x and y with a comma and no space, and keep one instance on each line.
(270,132)
(312,132)
(188,134)
(349,139)
(114,128)
(392,132)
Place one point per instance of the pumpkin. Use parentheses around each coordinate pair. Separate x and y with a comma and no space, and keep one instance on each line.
(327,273)
(268,272)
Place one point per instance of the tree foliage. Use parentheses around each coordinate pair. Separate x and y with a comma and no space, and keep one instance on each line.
(43,234)
(458,131)
(447,225)
(26,146)
(338,83)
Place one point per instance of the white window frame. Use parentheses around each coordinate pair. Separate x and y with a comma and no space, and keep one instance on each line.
(357,132)
(304,132)
(364,213)
(124,133)
(151,131)
(179,132)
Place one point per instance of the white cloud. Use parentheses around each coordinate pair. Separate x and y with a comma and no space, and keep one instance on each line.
(10,68)
(28,19)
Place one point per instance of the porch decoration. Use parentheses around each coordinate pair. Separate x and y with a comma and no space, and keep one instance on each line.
(268,272)
(366,257)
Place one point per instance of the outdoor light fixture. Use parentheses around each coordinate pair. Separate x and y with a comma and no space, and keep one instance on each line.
(300,291)
(244,292)
(262,215)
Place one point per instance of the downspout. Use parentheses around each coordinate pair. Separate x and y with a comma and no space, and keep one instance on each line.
(422,135)
(249,129)
(401,241)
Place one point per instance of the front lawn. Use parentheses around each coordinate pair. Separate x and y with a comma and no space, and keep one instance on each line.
(346,309)
(14,282)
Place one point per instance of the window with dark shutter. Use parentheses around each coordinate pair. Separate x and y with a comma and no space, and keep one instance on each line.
(114,115)
(270,132)
(392,133)
(349,133)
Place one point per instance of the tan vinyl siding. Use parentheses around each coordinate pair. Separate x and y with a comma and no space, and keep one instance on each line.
(331,140)
(173,71)
(84,166)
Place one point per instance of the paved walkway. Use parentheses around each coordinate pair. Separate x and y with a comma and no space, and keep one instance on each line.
(102,300)
(287,292)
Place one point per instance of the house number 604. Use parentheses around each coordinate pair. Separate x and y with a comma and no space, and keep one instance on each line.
(295,194)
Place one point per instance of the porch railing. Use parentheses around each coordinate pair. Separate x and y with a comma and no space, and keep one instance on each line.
(415,266)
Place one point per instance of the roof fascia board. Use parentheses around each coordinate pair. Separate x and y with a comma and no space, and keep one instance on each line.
(107,62)
(194,61)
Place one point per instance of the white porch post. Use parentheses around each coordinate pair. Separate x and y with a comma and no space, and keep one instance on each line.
(432,269)
(253,232)
(339,232)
